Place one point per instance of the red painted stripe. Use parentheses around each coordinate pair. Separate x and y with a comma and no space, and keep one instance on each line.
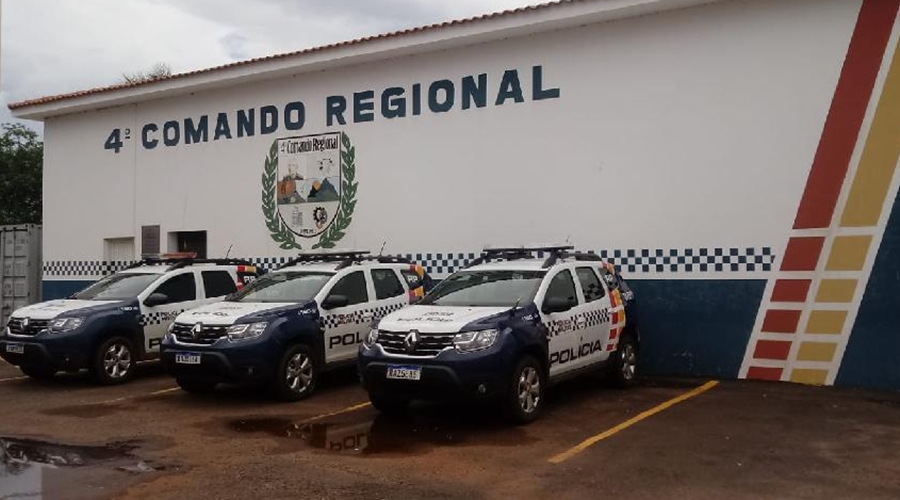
(772,349)
(791,290)
(781,321)
(848,107)
(764,373)
(802,254)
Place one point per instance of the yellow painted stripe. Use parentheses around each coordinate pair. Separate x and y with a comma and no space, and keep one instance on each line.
(10,379)
(816,351)
(836,290)
(848,253)
(809,376)
(338,412)
(879,157)
(587,443)
(831,322)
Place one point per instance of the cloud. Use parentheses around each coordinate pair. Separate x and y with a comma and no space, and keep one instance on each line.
(55,46)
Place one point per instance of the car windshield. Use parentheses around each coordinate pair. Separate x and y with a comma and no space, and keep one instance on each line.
(117,287)
(283,287)
(486,289)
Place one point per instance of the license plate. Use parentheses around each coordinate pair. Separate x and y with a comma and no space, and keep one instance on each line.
(15,348)
(187,358)
(404,372)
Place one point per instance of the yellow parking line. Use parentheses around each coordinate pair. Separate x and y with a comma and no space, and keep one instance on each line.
(126,398)
(10,379)
(587,443)
(164,391)
(345,410)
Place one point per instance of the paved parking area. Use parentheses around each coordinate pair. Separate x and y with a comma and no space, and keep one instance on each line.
(732,440)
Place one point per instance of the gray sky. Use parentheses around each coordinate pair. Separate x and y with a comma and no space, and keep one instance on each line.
(55,46)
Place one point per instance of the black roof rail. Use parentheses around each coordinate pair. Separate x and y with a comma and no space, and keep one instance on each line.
(179,262)
(345,258)
(392,259)
(516,253)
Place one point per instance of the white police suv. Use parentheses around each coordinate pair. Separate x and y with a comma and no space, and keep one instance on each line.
(503,328)
(289,326)
(117,321)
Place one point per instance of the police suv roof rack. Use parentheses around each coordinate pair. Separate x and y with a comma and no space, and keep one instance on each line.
(391,259)
(516,253)
(179,262)
(345,258)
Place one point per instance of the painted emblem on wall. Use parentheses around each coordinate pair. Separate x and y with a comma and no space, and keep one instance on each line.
(309,189)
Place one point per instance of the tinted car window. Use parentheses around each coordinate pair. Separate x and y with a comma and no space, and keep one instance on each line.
(117,287)
(218,283)
(283,286)
(352,286)
(486,289)
(563,287)
(386,284)
(590,284)
(179,288)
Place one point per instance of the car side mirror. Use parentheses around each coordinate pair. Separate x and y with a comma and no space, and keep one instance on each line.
(556,305)
(333,301)
(156,299)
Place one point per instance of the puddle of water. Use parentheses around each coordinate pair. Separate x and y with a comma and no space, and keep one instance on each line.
(28,465)
(367,435)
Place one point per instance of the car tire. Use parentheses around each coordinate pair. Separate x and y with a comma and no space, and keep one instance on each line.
(624,366)
(298,373)
(114,361)
(38,372)
(196,386)
(389,405)
(524,398)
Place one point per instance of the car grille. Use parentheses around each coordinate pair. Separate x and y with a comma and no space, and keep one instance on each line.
(430,344)
(208,335)
(34,326)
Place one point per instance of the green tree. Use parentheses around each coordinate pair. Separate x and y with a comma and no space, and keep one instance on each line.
(21,162)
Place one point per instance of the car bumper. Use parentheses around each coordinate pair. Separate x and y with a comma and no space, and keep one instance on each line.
(236,363)
(449,376)
(63,352)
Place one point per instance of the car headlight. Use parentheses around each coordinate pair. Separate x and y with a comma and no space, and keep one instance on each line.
(246,331)
(371,338)
(475,341)
(62,325)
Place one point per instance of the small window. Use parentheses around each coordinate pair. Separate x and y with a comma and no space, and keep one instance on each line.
(352,286)
(562,286)
(181,288)
(218,283)
(590,284)
(386,284)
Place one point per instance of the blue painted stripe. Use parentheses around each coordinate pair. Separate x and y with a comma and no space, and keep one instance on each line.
(872,358)
(696,327)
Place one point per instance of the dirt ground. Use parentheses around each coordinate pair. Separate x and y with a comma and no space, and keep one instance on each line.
(71,439)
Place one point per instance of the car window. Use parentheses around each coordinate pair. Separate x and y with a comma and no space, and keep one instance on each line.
(590,284)
(218,283)
(486,289)
(563,287)
(117,287)
(352,286)
(283,286)
(386,284)
(180,288)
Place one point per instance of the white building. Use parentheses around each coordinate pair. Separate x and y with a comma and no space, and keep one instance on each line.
(735,159)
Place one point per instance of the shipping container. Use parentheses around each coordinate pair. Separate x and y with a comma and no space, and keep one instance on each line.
(20,272)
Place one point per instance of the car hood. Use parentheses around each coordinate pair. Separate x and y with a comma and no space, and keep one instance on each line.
(53,308)
(227,313)
(436,319)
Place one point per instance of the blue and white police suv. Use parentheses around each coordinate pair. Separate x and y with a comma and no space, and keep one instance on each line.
(117,321)
(292,324)
(504,328)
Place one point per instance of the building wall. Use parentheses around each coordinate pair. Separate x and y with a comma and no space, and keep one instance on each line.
(679,146)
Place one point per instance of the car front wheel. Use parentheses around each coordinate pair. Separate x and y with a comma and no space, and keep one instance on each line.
(114,361)
(525,397)
(297,374)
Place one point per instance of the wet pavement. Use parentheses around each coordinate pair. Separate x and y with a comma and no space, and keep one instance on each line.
(71,439)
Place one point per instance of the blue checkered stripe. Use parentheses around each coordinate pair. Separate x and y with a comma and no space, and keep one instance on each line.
(629,261)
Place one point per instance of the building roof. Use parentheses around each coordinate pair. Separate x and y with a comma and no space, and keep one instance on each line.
(520,21)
